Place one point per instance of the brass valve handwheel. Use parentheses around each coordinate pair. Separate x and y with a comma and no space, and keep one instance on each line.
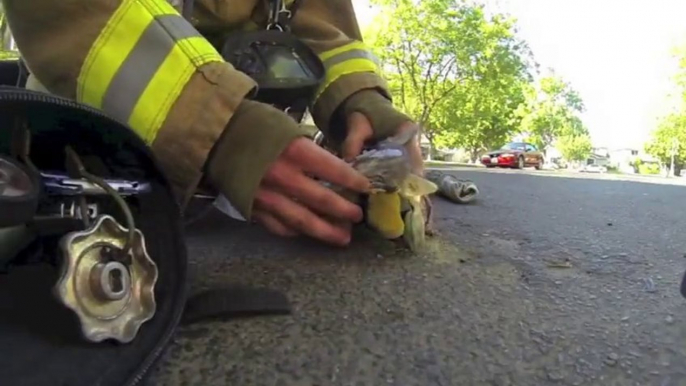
(111,295)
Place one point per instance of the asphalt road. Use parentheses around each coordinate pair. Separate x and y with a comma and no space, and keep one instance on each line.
(543,281)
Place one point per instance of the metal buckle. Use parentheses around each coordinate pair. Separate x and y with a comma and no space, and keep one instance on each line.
(277,13)
(283,11)
(62,185)
(72,210)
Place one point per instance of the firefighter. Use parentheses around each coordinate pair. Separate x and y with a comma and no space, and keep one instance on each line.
(142,63)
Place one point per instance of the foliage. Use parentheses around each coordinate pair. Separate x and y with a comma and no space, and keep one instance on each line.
(459,72)
(669,138)
(552,111)
(649,168)
(575,147)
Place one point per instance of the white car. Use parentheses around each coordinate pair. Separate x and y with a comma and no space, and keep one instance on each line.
(593,169)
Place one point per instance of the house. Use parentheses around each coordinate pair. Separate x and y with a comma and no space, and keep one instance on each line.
(623,159)
(598,160)
(601,151)
(623,156)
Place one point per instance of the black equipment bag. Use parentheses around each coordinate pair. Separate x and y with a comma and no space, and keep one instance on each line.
(40,339)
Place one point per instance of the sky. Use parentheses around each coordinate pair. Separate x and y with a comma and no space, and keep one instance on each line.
(615,53)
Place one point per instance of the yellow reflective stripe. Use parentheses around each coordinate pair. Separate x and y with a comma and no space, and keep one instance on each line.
(351,58)
(339,50)
(122,31)
(165,87)
(162,90)
(141,62)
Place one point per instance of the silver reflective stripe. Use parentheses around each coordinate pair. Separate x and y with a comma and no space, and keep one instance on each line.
(352,54)
(142,63)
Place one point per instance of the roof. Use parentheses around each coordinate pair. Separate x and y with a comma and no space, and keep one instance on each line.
(597,156)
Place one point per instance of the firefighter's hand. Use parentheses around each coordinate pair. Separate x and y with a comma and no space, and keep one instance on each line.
(360,133)
(263,164)
(289,202)
(370,118)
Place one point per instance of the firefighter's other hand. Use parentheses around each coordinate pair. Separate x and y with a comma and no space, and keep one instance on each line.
(289,202)
(360,133)
(371,118)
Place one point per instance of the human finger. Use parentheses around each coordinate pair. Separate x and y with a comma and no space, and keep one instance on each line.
(273,224)
(300,218)
(289,181)
(310,158)
(359,133)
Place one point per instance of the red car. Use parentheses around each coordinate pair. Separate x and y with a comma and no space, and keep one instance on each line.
(514,155)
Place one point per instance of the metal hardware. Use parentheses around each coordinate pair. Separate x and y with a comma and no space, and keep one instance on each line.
(73,210)
(62,185)
(75,162)
(111,299)
(68,208)
(278,13)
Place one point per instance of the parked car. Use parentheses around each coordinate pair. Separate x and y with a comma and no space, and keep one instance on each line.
(593,169)
(514,155)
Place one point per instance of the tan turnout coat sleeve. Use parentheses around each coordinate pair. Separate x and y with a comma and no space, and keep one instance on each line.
(56,37)
(330,28)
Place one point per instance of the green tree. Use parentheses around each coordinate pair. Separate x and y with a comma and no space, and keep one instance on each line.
(552,111)
(669,139)
(667,142)
(575,147)
(484,118)
(454,69)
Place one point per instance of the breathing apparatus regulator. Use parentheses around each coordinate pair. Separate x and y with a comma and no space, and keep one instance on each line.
(286,70)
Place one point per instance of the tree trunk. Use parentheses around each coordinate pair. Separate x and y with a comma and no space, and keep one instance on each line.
(474,155)
(430,138)
(432,148)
